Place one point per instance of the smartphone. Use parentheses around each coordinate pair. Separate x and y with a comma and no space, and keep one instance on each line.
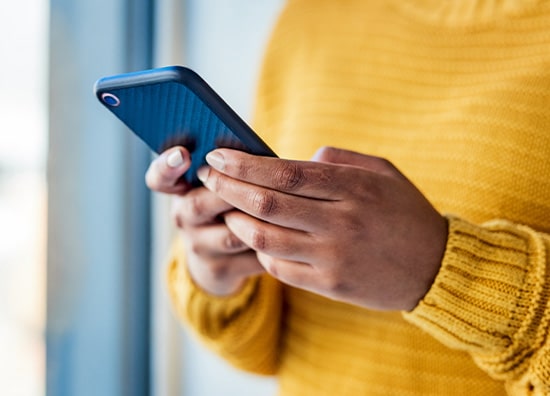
(172,106)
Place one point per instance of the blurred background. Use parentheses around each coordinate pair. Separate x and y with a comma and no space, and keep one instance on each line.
(83,308)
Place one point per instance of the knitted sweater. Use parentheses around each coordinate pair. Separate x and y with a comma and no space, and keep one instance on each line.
(456,93)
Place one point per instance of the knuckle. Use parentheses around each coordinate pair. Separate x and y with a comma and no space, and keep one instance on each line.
(231,242)
(176,214)
(385,163)
(272,269)
(334,283)
(289,176)
(326,153)
(178,221)
(270,265)
(194,247)
(263,203)
(194,207)
(218,271)
(217,182)
(384,166)
(258,239)
(350,220)
(368,188)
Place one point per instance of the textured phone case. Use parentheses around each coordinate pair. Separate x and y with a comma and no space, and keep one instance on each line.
(174,106)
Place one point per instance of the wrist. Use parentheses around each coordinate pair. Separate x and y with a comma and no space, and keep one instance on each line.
(431,265)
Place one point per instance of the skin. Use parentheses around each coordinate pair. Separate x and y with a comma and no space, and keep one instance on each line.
(344,225)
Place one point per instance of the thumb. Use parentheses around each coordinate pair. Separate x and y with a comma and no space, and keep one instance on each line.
(164,173)
(339,156)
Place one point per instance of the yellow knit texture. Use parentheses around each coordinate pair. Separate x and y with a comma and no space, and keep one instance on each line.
(457,95)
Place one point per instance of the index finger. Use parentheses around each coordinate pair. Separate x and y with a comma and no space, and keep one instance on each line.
(304,178)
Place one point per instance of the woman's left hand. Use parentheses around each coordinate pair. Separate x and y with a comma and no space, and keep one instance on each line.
(346,226)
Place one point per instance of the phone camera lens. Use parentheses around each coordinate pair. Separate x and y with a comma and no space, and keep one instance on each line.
(110,99)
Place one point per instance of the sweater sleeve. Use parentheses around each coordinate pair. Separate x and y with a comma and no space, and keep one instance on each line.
(242,328)
(491,299)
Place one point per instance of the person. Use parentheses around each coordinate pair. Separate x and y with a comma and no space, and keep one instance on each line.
(400,244)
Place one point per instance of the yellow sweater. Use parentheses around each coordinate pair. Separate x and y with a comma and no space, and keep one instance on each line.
(456,93)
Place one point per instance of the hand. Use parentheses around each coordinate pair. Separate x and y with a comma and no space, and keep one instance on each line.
(216,259)
(347,226)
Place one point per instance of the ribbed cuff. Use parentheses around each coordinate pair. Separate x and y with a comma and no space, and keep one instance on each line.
(490,295)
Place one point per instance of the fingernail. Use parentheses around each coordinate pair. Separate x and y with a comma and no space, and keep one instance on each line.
(203,173)
(215,160)
(175,160)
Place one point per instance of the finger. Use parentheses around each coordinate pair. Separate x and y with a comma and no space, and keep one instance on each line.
(224,275)
(287,210)
(243,265)
(345,157)
(288,272)
(198,207)
(215,241)
(165,172)
(270,239)
(304,178)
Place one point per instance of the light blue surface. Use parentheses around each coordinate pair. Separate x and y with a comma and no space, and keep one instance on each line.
(90,317)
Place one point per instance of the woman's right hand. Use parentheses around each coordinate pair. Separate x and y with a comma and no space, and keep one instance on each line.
(217,260)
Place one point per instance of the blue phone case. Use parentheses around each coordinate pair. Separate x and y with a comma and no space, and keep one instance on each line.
(172,106)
